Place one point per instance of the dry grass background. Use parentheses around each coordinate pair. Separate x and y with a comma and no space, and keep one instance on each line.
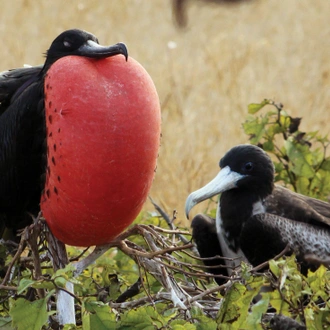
(227,57)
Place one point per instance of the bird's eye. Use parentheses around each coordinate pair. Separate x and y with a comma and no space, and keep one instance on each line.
(248,166)
(67,44)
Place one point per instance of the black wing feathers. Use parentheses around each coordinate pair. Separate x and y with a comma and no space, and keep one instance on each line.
(22,143)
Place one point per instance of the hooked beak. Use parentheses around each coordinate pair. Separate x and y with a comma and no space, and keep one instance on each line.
(94,50)
(225,180)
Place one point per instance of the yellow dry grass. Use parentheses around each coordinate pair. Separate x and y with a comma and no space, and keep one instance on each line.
(228,57)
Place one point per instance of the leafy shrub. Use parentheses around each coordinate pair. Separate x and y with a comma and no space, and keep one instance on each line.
(150,278)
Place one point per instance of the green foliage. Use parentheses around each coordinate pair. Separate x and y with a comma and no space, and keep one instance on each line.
(236,305)
(28,315)
(299,157)
(247,301)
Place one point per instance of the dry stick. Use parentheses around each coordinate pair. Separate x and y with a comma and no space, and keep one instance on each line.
(168,221)
(99,250)
(177,293)
(148,260)
(209,291)
(193,266)
(163,241)
(8,288)
(152,262)
(170,231)
(135,303)
(76,258)
(213,258)
(138,261)
(266,263)
(34,232)
(122,245)
(20,249)
(195,273)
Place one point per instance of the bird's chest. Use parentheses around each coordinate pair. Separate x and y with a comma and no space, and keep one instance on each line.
(232,215)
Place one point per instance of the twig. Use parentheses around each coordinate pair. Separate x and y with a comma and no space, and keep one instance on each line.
(20,249)
(141,301)
(266,263)
(8,288)
(209,291)
(168,220)
(180,270)
(171,231)
(34,232)
(76,258)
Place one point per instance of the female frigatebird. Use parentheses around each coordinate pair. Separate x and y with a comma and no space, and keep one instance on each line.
(79,138)
(255,219)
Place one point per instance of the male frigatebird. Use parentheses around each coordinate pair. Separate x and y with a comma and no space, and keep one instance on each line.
(79,138)
(255,219)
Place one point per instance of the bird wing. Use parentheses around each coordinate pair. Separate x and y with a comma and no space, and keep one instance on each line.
(291,205)
(265,235)
(205,236)
(13,81)
(22,147)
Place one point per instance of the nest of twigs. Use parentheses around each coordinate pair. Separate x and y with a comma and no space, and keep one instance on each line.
(183,284)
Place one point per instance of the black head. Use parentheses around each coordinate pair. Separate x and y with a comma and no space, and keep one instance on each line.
(80,43)
(244,168)
(255,167)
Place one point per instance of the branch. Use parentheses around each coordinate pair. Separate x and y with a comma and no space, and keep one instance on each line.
(266,263)
(20,249)
(168,220)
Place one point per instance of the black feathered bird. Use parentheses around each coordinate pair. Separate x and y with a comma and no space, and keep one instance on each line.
(205,236)
(255,219)
(23,128)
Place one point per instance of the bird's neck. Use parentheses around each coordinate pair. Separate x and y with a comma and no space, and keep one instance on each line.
(236,207)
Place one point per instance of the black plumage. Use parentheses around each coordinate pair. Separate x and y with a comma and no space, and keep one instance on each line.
(23,127)
(257,220)
(205,236)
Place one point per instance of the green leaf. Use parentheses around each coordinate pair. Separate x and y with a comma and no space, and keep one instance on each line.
(203,322)
(143,318)
(235,308)
(268,146)
(300,159)
(316,318)
(66,272)
(255,129)
(85,316)
(318,280)
(43,284)
(326,165)
(60,281)
(96,315)
(253,320)
(255,107)
(277,302)
(183,325)
(70,327)
(24,284)
(28,315)
(5,323)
